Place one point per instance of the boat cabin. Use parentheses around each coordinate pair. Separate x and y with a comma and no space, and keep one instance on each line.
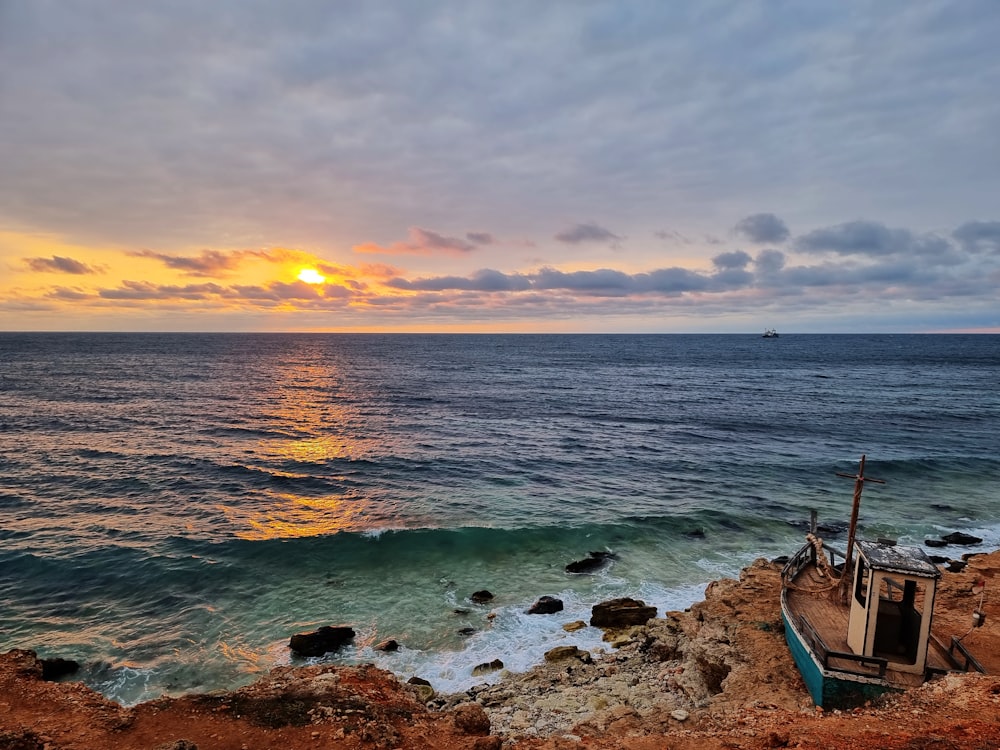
(892,604)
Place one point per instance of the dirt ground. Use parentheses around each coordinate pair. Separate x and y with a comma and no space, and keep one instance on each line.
(760,701)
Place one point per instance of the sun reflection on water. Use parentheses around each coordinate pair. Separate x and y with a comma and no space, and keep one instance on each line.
(294,516)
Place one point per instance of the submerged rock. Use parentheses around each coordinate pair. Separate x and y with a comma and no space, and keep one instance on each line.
(546,605)
(958,537)
(321,641)
(481,597)
(596,561)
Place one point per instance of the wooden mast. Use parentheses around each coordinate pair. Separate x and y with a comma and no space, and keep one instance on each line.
(859,483)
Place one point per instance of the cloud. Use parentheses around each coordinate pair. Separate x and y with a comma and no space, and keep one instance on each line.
(479,238)
(486,280)
(422,242)
(977,236)
(208,263)
(769,262)
(735,259)
(875,240)
(58,264)
(586,233)
(762,229)
(144,290)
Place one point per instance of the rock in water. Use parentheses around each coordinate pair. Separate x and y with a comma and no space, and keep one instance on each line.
(487,667)
(959,538)
(546,605)
(318,642)
(621,613)
(596,561)
(53,669)
(481,597)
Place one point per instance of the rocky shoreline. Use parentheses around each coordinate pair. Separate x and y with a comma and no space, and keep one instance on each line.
(716,675)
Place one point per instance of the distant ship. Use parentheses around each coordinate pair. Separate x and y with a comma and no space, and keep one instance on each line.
(770,333)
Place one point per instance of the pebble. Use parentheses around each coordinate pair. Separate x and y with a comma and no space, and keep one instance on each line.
(679,714)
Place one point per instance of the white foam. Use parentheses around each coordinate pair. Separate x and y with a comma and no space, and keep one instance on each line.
(517,639)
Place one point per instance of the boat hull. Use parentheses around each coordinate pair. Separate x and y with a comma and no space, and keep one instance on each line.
(829,689)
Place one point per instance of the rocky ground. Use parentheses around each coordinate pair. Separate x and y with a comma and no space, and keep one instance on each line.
(716,676)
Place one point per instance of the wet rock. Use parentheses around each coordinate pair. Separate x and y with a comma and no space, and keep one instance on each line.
(695,534)
(572,627)
(621,613)
(546,605)
(389,645)
(486,667)
(958,537)
(53,669)
(466,631)
(591,564)
(318,642)
(481,597)
(935,542)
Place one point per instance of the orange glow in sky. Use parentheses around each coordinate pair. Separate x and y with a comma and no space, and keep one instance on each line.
(311,276)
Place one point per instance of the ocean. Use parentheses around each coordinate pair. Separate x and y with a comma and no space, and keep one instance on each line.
(174,506)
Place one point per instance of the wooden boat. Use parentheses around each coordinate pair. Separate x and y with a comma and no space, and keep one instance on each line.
(857,631)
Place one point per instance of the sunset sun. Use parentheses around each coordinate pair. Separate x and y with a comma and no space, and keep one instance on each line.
(311,276)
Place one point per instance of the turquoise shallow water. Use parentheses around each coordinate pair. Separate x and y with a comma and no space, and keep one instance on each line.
(175,506)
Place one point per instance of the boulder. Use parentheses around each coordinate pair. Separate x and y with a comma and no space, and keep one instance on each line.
(595,562)
(471,718)
(935,542)
(621,613)
(318,642)
(389,645)
(561,653)
(481,597)
(546,605)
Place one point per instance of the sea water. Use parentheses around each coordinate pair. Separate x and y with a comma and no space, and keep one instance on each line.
(174,506)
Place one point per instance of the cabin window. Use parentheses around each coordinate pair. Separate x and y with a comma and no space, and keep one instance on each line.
(861,582)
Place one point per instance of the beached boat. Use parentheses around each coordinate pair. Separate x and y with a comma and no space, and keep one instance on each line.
(857,631)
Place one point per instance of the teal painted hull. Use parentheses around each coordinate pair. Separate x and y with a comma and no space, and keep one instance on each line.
(827,690)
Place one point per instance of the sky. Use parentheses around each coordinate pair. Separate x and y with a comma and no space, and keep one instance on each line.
(516,166)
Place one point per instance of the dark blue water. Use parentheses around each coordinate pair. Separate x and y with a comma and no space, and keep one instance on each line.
(173,507)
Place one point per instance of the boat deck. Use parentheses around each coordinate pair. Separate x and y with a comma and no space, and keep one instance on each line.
(828,619)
